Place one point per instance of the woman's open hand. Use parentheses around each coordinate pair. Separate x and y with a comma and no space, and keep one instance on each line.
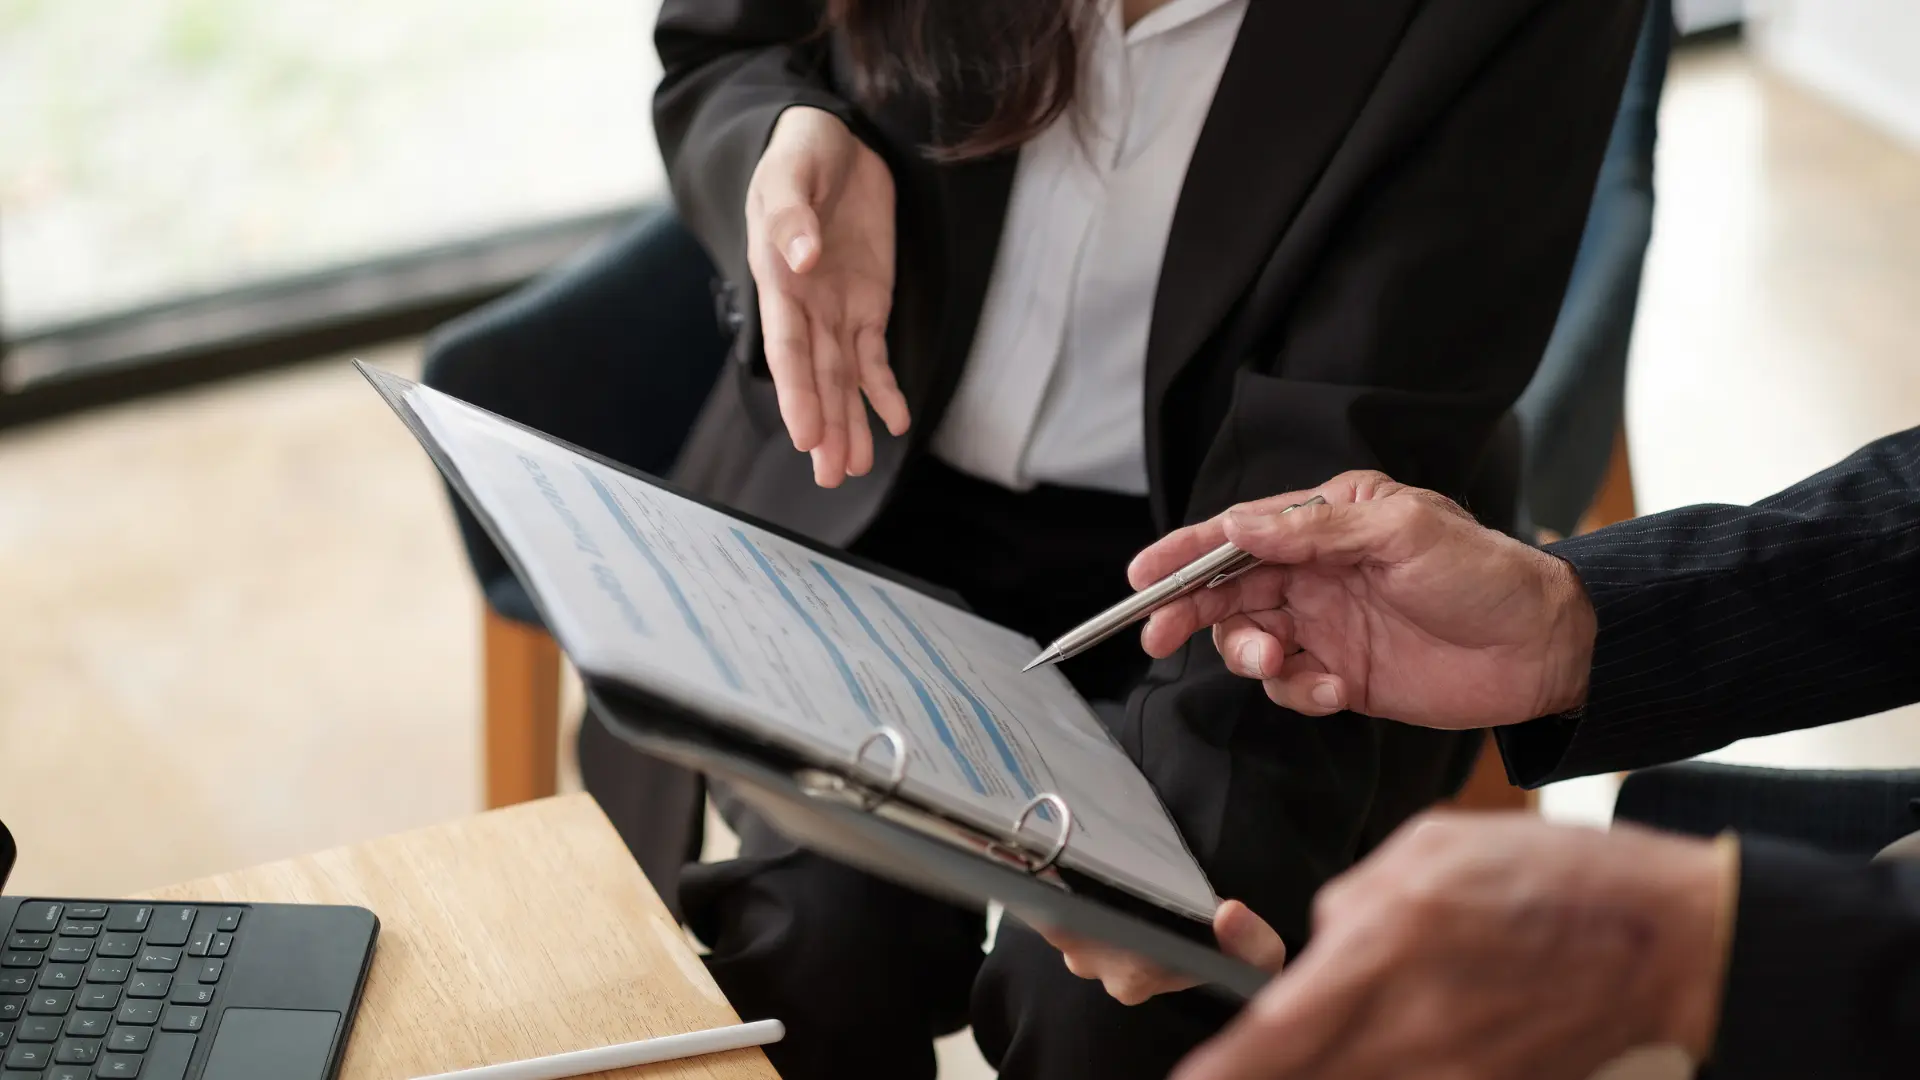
(820,245)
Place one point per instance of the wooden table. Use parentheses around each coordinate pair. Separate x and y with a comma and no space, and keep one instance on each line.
(516,933)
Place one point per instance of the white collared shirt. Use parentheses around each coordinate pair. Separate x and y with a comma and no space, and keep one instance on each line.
(1054,386)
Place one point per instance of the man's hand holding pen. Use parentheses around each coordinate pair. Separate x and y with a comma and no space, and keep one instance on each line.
(1385,600)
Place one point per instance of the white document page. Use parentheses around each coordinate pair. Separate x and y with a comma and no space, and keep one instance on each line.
(739,624)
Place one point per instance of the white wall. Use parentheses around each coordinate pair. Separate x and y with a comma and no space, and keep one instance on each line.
(1863,54)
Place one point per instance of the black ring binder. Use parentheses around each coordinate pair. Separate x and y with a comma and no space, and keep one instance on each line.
(816,799)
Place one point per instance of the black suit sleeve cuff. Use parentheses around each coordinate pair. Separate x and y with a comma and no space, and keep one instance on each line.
(1534,750)
(1824,977)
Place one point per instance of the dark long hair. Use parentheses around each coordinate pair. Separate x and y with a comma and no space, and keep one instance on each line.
(1001,70)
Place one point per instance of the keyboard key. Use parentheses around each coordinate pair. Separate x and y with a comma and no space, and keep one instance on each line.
(132,917)
(15,981)
(89,1025)
(26,1055)
(171,1053)
(61,976)
(29,941)
(228,919)
(183,1018)
(211,970)
(38,1029)
(118,945)
(128,1040)
(222,944)
(109,971)
(159,958)
(50,1003)
(72,951)
(98,997)
(138,1012)
(6,1034)
(171,926)
(117,1066)
(77,1051)
(37,918)
(79,929)
(94,912)
(69,1072)
(20,959)
(187,993)
(12,1007)
(149,985)
(201,941)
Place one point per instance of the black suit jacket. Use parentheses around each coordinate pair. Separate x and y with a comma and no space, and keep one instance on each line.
(1366,259)
(1717,623)
(1367,256)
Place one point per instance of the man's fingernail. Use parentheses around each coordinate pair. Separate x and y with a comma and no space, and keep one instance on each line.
(798,249)
(1250,657)
(1326,696)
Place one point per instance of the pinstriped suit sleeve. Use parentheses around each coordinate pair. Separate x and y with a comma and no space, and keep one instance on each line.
(1718,623)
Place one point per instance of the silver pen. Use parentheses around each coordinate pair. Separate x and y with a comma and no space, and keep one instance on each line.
(1215,568)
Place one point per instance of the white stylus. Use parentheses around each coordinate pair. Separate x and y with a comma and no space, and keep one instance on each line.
(644,1052)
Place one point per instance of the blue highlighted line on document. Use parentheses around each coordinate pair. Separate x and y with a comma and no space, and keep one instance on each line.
(833,651)
(919,688)
(666,579)
(980,710)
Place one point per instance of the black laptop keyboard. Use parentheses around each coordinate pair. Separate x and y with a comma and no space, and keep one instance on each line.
(110,990)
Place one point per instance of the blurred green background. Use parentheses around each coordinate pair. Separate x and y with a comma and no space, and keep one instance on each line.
(157,147)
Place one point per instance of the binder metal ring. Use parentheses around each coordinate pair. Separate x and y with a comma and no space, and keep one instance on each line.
(896,776)
(1048,798)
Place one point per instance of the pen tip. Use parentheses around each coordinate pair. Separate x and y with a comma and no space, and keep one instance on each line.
(1043,659)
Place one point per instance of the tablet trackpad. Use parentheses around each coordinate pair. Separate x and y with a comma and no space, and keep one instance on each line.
(272,1044)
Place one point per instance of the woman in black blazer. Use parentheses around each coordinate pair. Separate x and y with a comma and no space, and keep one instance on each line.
(1100,268)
